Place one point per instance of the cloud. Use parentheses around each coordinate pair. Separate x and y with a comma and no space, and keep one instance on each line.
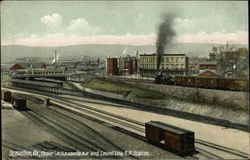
(52,20)
(81,26)
(62,39)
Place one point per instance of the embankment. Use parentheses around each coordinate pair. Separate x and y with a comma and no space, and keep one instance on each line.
(227,108)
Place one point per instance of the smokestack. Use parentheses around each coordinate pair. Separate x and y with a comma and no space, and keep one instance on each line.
(165,35)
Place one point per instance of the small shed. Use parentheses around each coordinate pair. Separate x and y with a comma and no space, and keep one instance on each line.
(208,73)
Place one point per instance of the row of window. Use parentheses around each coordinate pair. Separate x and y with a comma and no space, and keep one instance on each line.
(164,59)
(45,72)
(166,66)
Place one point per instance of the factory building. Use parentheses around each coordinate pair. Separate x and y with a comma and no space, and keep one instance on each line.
(171,64)
(127,65)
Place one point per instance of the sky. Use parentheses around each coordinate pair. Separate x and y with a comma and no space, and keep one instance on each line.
(61,23)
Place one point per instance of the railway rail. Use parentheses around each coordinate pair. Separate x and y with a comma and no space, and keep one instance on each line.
(76,135)
(111,119)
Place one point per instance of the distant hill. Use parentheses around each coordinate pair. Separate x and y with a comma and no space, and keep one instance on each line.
(11,52)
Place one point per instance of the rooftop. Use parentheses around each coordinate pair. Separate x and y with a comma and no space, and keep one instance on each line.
(154,54)
(168,127)
(208,62)
(36,83)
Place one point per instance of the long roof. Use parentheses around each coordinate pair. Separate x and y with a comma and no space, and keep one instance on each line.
(154,54)
(34,64)
(36,83)
(48,79)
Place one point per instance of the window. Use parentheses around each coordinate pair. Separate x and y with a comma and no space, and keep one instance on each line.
(172,59)
(167,59)
(182,59)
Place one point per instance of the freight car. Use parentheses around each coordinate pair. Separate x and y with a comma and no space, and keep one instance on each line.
(176,139)
(18,102)
(213,83)
(49,81)
(233,84)
(6,96)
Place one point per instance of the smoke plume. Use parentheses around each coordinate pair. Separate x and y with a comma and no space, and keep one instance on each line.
(165,35)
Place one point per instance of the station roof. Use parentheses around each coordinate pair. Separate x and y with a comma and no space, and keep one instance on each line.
(48,79)
(52,85)
(154,54)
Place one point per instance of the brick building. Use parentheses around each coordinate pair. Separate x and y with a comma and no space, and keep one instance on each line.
(127,65)
(112,68)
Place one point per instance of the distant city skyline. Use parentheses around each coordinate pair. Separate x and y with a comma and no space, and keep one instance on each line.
(54,23)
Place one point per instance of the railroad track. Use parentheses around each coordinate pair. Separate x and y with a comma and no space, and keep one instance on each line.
(98,114)
(138,126)
(204,152)
(73,133)
(129,79)
(220,148)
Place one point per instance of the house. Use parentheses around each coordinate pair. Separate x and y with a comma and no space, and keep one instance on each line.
(193,66)
(208,73)
(209,64)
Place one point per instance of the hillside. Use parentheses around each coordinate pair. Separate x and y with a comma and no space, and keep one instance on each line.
(12,52)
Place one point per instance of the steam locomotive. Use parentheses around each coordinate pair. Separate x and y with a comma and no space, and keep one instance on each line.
(160,78)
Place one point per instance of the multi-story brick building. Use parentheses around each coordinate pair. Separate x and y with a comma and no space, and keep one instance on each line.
(127,65)
(171,64)
(112,68)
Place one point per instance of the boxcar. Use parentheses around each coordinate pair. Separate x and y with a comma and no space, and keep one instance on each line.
(18,102)
(233,84)
(188,81)
(6,96)
(205,82)
(178,80)
(176,139)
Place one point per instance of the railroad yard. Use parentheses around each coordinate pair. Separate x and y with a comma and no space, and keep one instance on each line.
(164,80)
(89,126)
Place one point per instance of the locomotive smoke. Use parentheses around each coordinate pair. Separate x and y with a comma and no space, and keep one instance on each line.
(165,35)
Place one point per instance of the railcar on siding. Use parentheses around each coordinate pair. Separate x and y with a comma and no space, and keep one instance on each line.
(178,140)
